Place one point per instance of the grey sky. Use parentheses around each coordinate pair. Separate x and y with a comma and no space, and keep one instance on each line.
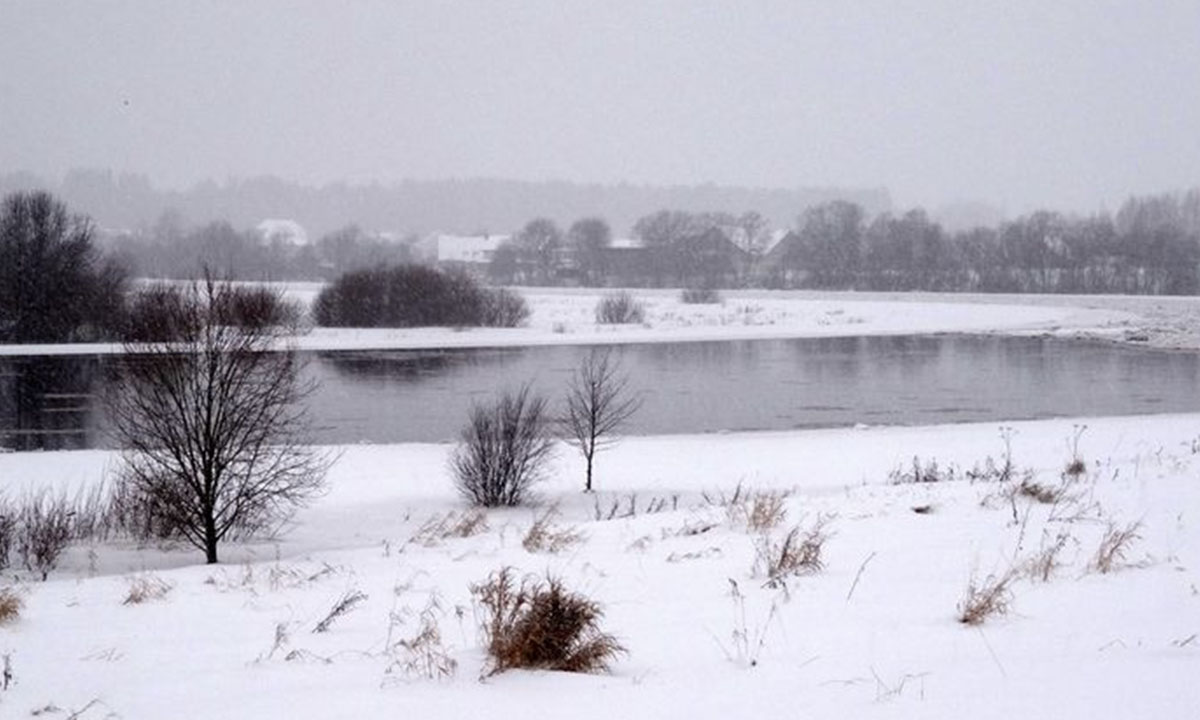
(1067,104)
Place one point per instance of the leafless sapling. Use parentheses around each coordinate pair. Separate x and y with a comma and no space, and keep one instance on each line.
(212,423)
(599,402)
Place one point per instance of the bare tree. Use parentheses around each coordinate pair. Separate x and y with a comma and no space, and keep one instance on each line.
(599,402)
(55,286)
(211,422)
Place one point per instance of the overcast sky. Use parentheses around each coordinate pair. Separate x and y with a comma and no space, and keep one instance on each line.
(1065,104)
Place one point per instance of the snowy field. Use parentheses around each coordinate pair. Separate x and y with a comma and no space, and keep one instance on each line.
(561,317)
(873,633)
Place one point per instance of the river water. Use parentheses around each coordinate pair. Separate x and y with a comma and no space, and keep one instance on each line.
(405,396)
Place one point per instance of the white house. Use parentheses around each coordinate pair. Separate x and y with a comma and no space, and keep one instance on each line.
(288,232)
(467,249)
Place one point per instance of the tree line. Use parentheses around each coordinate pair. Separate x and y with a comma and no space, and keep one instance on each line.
(1150,246)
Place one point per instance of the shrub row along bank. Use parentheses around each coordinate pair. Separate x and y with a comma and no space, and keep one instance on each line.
(415,296)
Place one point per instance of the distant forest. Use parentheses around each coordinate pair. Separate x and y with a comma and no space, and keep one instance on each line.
(127,202)
(1150,245)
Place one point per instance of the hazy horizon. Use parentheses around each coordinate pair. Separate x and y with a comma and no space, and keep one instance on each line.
(1019,105)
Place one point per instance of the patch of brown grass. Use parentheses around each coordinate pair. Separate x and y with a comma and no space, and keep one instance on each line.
(987,599)
(542,625)
(765,511)
(10,605)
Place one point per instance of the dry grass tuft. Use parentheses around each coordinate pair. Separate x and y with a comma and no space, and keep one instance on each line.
(990,598)
(1041,493)
(766,511)
(798,554)
(917,473)
(424,655)
(343,606)
(144,588)
(1114,547)
(757,511)
(450,525)
(542,625)
(1042,566)
(544,536)
(10,605)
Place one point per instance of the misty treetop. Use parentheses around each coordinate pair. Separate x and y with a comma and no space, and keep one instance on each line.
(55,286)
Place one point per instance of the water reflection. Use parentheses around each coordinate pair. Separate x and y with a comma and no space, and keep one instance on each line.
(407,396)
(47,403)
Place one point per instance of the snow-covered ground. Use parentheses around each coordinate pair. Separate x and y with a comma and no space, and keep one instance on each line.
(561,316)
(873,634)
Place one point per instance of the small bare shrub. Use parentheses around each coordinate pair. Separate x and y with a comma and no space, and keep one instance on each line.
(542,625)
(44,530)
(10,605)
(544,536)
(503,450)
(798,554)
(620,308)
(133,511)
(1114,547)
(503,308)
(343,606)
(256,306)
(990,598)
(144,588)
(700,296)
